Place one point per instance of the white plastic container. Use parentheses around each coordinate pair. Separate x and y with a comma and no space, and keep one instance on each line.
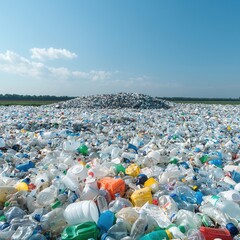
(71,183)
(231,195)
(78,172)
(80,212)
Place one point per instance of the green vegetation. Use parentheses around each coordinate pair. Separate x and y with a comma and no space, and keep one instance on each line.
(28,100)
(16,97)
(26,103)
(224,101)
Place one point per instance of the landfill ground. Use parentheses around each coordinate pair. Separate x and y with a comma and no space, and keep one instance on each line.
(173,162)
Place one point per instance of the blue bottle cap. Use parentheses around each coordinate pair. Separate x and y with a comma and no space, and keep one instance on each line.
(104,236)
(37,217)
(232,229)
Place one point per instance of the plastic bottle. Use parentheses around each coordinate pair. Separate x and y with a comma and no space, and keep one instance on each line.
(186,194)
(176,233)
(53,221)
(90,190)
(229,207)
(187,220)
(140,226)
(118,231)
(168,205)
(231,195)
(14,212)
(72,184)
(37,236)
(47,196)
(106,221)
(181,204)
(119,203)
(129,215)
(218,216)
(102,203)
(23,232)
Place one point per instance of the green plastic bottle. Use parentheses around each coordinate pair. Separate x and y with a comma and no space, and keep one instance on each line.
(158,235)
(82,231)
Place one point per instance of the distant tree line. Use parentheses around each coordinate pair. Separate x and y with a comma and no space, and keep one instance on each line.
(198,99)
(16,97)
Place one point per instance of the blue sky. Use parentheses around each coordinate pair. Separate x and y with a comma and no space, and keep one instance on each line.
(157,47)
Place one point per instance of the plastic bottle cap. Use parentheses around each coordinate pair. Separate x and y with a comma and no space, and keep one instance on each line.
(232,229)
(104,236)
(182,228)
(194,188)
(170,236)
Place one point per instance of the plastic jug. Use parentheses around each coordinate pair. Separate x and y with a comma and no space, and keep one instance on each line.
(112,185)
(80,212)
(141,196)
(83,231)
(133,170)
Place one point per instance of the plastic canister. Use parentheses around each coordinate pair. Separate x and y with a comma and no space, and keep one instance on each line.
(83,231)
(212,233)
(106,220)
(152,183)
(80,212)
(113,185)
(133,170)
(141,196)
(77,171)
(5,191)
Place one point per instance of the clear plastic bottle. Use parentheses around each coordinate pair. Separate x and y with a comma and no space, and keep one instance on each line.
(23,233)
(229,207)
(47,196)
(118,231)
(187,220)
(102,203)
(168,205)
(119,203)
(54,221)
(140,226)
(217,215)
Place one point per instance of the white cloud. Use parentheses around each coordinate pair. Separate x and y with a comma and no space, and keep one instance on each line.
(51,53)
(11,62)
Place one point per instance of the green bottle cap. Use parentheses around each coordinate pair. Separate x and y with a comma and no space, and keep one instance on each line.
(2,218)
(56,204)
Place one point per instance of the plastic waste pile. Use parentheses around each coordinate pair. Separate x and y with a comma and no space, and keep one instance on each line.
(112,174)
(116,101)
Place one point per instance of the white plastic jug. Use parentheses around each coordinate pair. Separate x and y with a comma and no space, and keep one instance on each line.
(80,212)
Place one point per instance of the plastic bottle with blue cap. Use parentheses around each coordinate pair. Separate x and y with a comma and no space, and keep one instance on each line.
(140,226)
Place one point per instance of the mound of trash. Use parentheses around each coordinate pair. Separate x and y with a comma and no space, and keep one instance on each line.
(116,101)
